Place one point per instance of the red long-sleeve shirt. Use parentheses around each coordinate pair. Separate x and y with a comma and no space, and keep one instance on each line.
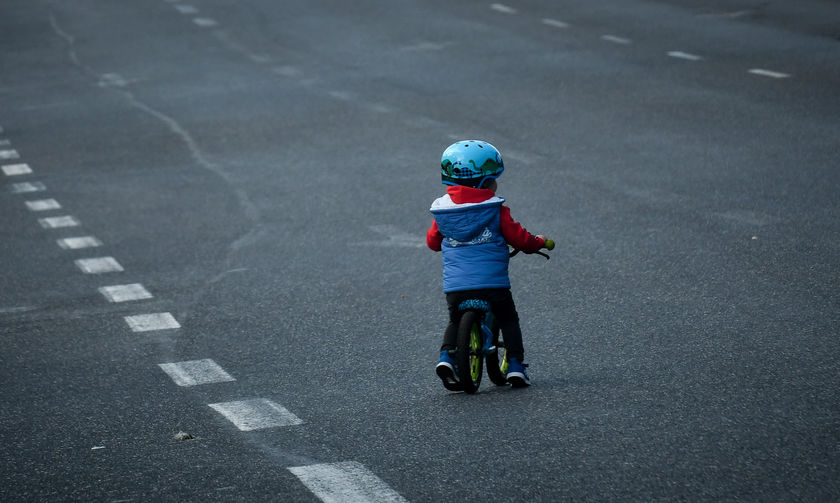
(512,231)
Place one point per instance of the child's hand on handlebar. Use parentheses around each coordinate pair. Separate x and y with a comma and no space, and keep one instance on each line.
(548,244)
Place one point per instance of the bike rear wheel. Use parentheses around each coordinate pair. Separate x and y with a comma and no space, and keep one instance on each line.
(497,361)
(470,356)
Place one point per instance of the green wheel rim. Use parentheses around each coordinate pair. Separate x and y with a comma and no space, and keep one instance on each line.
(475,350)
(503,363)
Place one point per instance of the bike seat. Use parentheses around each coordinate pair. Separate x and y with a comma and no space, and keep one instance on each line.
(479,304)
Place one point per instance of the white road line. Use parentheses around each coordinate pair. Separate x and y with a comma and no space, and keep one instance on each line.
(287,71)
(393,237)
(151,322)
(504,9)
(259,58)
(615,39)
(379,108)
(79,242)
(43,205)
(16,169)
(185,9)
(58,222)
(9,154)
(112,80)
(555,23)
(125,293)
(426,46)
(205,22)
(16,309)
(98,265)
(769,73)
(195,372)
(256,414)
(684,55)
(344,482)
(24,187)
(730,15)
(341,95)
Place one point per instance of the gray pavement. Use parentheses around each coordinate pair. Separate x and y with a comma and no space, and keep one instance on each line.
(263,171)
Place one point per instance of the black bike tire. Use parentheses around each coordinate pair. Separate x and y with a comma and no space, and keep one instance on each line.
(493,362)
(466,355)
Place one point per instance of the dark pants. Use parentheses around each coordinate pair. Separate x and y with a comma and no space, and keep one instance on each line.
(501,303)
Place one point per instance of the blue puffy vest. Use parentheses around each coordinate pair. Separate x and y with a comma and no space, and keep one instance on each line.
(475,254)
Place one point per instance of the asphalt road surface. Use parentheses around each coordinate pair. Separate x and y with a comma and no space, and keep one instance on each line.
(215,285)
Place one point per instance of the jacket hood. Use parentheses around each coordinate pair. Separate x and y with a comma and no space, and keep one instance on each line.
(466,221)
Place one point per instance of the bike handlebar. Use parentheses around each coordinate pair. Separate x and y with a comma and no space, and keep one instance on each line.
(548,245)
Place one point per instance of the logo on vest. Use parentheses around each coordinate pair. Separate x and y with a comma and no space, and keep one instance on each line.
(485,237)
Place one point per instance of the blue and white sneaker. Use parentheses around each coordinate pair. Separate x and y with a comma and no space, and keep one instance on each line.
(516,375)
(445,369)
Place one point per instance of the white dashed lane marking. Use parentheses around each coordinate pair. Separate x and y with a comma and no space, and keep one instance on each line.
(256,414)
(769,73)
(555,23)
(196,372)
(152,322)
(287,71)
(504,9)
(684,55)
(125,293)
(343,482)
(43,205)
(9,154)
(58,222)
(79,242)
(626,41)
(394,236)
(112,80)
(205,22)
(98,265)
(185,9)
(24,187)
(16,169)
(616,39)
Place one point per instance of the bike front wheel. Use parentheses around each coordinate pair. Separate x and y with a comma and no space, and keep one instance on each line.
(470,352)
(496,360)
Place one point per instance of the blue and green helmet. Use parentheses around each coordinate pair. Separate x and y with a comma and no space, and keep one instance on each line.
(470,162)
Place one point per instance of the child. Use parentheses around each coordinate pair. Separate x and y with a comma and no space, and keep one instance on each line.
(473,229)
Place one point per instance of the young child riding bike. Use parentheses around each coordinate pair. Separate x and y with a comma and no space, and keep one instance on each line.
(473,228)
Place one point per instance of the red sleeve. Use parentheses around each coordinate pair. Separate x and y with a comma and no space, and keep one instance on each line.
(433,237)
(517,236)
